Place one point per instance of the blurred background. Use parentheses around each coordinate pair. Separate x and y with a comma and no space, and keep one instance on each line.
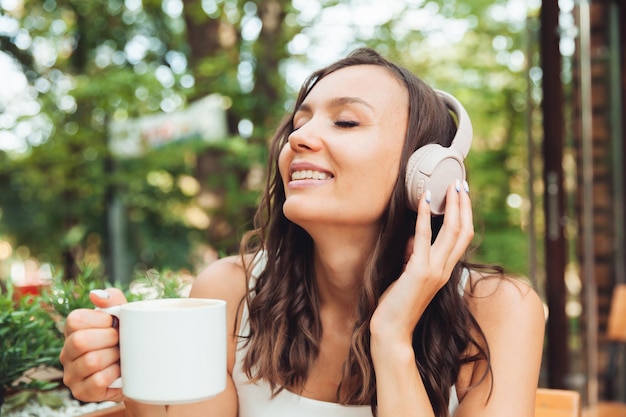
(133,136)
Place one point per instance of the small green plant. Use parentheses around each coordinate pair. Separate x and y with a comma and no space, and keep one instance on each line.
(28,338)
(64,296)
(155,284)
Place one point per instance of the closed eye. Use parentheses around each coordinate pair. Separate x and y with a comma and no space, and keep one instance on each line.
(346,123)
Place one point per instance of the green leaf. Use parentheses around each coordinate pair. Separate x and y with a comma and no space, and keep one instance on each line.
(17,400)
(50,400)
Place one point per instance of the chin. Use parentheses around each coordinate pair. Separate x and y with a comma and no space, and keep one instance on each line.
(298,213)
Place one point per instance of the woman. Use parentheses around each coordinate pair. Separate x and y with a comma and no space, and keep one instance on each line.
(345,301)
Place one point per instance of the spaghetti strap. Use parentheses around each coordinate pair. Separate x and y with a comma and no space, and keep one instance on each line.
(465,274)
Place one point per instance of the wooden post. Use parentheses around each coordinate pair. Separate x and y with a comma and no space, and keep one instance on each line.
(557,356)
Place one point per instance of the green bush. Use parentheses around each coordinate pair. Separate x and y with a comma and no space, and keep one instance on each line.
(29,338)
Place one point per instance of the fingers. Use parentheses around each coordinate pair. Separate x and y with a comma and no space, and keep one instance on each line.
(90,359)
(82,319)
(423,231)
(457,230)
(467,216)
(95,387)
(90,354)
(80,342)
(107,298)
(455,235)
(459,219)
(87,319)
(91,363)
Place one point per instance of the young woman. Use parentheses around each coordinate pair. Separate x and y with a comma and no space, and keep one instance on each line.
(345,301)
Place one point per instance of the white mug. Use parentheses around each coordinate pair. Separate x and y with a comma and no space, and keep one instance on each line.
(172,351)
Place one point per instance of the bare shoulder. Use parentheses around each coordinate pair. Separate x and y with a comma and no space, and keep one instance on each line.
(491,293)
(224,279)
(511,318)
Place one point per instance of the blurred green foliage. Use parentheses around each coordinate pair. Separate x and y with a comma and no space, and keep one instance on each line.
(115,60)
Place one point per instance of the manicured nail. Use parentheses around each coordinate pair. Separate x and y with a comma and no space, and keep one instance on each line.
(428,196)
(466,186)
(457,185)
(101,294)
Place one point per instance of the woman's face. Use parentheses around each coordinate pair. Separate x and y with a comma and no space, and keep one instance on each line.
(341,161)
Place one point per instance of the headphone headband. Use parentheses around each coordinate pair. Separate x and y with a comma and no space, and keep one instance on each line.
(463,139)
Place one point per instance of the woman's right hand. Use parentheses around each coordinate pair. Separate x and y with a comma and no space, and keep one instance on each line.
(90,354)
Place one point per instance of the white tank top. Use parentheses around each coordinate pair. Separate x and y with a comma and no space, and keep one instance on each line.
(255,399)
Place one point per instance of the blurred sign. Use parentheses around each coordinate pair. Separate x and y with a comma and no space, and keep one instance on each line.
(205,118)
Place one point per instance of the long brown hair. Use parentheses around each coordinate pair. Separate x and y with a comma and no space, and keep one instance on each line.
(285,327)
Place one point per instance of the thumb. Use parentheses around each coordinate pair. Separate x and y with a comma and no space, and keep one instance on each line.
(107,298)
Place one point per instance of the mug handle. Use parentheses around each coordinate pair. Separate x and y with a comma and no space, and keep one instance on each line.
(114,311)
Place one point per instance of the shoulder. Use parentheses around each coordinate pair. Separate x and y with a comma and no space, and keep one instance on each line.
(223,279)
(504,296)
(511,317)
(510,314)
(494,293)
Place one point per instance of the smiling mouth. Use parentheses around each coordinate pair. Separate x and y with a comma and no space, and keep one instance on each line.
(309,175)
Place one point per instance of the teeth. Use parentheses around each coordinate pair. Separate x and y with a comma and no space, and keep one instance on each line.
(309,174)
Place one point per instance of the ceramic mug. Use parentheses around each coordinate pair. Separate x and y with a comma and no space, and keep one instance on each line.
(172,351)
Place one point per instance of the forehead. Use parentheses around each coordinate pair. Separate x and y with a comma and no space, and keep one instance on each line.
(374,84)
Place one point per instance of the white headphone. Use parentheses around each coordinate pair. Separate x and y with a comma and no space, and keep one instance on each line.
(434,167)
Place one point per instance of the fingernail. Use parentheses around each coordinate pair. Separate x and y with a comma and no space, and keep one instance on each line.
(100,294)
(428,196)
(466,186)
(457,185)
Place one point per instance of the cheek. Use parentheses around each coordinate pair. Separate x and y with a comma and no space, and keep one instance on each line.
(375,176)
(384,171)
(393,157)
(386,163)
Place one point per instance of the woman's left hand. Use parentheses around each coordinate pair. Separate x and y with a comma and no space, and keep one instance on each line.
(428,267)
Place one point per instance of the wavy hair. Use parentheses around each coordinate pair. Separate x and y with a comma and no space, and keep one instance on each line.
(285,327)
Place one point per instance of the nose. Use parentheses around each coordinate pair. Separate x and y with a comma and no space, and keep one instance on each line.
(306,137)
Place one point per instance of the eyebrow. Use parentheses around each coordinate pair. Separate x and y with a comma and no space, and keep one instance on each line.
(338,102)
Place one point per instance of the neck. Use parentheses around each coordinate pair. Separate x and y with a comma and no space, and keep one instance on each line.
(339,262)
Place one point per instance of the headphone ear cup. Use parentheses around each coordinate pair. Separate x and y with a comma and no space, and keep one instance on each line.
(432,167)
(415,181)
